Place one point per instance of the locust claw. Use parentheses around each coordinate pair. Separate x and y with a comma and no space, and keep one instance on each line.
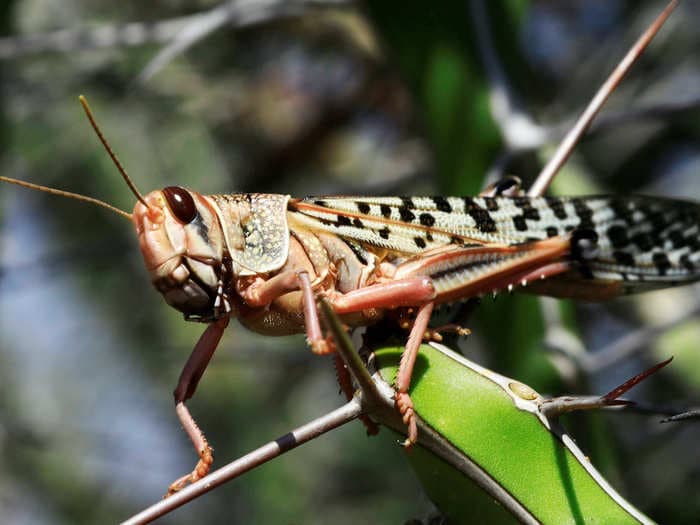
(435,334)
(206,458)
(321,346)
(408,416)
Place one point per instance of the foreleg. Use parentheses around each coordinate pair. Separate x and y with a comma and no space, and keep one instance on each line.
(186,386)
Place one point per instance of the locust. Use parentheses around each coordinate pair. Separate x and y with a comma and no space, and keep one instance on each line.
(265,259)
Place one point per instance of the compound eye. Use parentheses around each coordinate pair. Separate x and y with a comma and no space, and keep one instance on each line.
(181,203)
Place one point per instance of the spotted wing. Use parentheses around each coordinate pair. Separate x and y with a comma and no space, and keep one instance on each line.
(635,239)
(412,225)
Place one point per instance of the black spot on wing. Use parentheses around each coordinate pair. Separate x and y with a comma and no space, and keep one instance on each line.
(531,213)
(420,242)
(384,232)
(584,213)
(442,204)
(552,231)
(623,258)
(363,207)
(643,241)
(622,210)
(618,236)
(525,204)
(677,239)
(406,214)
(357,223)
(663,265)
(385,210)
(557,206)
(491,204)
(426,219)
(408,203)
(519,223)
(693,243)
(481,216)
(658,220)
(342,220)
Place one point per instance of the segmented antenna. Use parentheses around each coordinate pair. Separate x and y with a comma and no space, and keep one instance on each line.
(112,155)
(78,196)
(69,194)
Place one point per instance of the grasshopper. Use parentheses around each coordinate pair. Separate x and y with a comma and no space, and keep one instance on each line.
(265,258)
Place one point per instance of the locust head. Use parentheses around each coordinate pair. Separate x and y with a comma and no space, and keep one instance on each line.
(182,247)
(196,247)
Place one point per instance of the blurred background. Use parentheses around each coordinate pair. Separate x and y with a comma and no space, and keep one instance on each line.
(315,97)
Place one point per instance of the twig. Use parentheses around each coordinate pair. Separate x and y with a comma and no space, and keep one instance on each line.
(560,337)
(567,144)
(685,416)
(192,32)
(240,13)
(555,406)
(369,399)
(253,459)
(86,39)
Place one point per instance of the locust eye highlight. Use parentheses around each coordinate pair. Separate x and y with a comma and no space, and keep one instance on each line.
(181,203)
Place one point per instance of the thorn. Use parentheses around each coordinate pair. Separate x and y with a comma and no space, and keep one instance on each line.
(523,283)
(494,295)
(510,288)
(559,405)
(624,387)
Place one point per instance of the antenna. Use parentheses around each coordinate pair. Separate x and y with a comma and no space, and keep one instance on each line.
(69,194)
(114,158)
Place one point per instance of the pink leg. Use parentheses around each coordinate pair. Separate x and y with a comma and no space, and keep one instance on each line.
(262,293)
(186,386)
(410,291)
(410,288)
(403,376)
(318,343)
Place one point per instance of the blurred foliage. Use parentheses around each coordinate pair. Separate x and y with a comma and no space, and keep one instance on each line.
(384,98)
